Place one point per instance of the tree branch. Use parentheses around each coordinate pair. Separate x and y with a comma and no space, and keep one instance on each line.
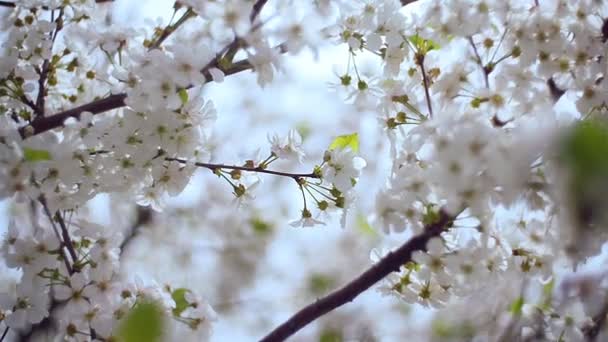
(390,263)
(257,8)
(43,124)
(592,331)
(4,334)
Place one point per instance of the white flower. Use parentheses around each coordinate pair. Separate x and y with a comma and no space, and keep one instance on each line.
(289,147)
(433,262)
(29,305)
(430,294)
(342,168)
(73,292)
(306,220)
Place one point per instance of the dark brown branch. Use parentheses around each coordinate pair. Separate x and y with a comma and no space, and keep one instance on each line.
(593,330)
(43,124)
(4,334)
(392,262)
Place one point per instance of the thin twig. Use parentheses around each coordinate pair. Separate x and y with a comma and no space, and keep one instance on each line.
(392,262)
(66,237)
(44,71)
(420,60)
(45,207)
(170,28)
(479,62)
(214,167)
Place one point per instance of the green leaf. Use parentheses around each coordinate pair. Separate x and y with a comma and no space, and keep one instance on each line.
(144,323)
(364,227)
(33,155)
(423,45)
(347,140)
(331,335)
(304,129)
(584,153)
(319,284)
(548,288)
(516,306)
(181,304)
(585,149)
(183,95)
(260,226)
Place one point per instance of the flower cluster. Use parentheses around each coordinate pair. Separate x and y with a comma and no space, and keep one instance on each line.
(81,273)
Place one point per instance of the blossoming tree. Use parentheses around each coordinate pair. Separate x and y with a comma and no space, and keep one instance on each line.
(491,212)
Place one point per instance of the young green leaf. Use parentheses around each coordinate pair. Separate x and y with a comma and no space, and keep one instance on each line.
(183,95)
(347,140)
(144,323)
(181,304)
(33,155)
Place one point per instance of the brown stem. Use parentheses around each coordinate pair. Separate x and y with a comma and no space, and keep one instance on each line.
(392,262)
(479,62)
